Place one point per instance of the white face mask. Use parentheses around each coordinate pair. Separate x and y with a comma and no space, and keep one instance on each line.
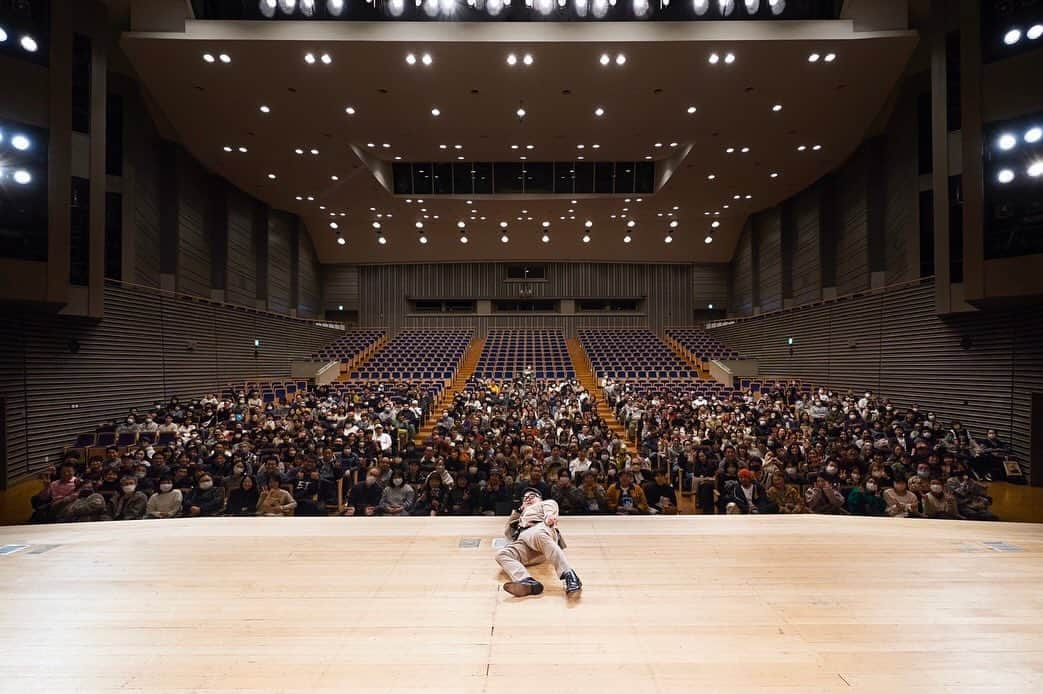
(165,487)
(128,489)
(871,487)
(397,481)
(831,469)
(206,485)
(936,488)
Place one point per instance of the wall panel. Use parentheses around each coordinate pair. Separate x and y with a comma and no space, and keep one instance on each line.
(901,195)
(852,231)
(807,265)
(710,285)
(280,228)
(141,195)
(978,367)
(194,257)
(148,347)
(768,226)
(309,302)
(340,285)
(242,250)
(741,299)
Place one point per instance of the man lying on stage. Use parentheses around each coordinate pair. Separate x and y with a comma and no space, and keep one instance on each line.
(534,538)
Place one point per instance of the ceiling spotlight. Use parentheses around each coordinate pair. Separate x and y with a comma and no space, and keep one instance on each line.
(658,145)
(708,239)
(311,198)
(208,58)
(368,144)
(29,43)
(730,150)
(1012,37)
(745,150)
(504,238)
(463,237)
(426,59)
(1033,135)
(520,113)
(376,225)
(309,58)
(586,238)
(545,238)
(264,109)
(22,177)
(267,8)
(714,59)
(729,58)
(673,224)
(326,59)
(715,224)
(774,174)
(410,59)
(227,148)
(776,108)
(334,225)
(341,240)
(599,112)
(802,148)
(627,238)
(596,146)
(244,150)
(334,178)
(21,142)
(335,7)
(631,224)
(1034,32)
(813,58)
(1005,176)
(422,239)
(381,240)
(605,59)
(691,110)
(512,59)
(700,6)
(640,7)
(527,59)
(588,224)
(817,147)
(620,58)
(830,57)
(436,112)
(315,152)
(668,239)
(385,145)
(224,58)
(711,177)
(271,177)
(1036,169)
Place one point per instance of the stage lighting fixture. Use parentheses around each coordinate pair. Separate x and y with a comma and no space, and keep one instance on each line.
(287,6)
(1034,32)
(1005,176)
(1035,170)
(708,240)
(29,43)
(335,7)
(777,6)
(396,7)
(753,6)
(1012,37)
(640,8)
(208,58)
(225,58)
(494,7)
(581,7)
(544,7)
(20,142)
(1033,135)
(426,59)
(267,8)
(1007,141)
(726,7)
(308,8)
(599,8)
(22,177)
(326,59)
(700,7)
(714,59)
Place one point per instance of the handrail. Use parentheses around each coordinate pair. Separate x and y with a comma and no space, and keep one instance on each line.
(329,365)
(803,307)
(122,284)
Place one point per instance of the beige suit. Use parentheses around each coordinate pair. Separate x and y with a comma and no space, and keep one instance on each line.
(536,543)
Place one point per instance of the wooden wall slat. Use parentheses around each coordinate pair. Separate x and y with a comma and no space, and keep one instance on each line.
(242,250)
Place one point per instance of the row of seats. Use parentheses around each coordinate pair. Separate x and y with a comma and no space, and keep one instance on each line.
(701,344)
(632,354)
(417,354)
(509,353)
(269,391)
(350,345)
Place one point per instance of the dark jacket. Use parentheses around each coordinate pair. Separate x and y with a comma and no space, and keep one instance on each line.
(209,501)
(761,503)
(363,495)
(242,502)
(129,506)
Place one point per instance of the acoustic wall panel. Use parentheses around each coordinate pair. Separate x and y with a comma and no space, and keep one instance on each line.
(741,300)
(710,285)
(852,231)
(280,234)
(807,265)
(242,250)
(901,195)
(194,257)
(768,226)
(62,375)
(309,294)
(341,287)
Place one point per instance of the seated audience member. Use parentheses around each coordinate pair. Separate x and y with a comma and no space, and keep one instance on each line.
(625,497)
(593,495)
(130,503)
(87,505)
(56,492)
(274,500)
(397,498)
(433,499)
(748,496)
(494,499)
(306,492)
(971,495)
(939,502)
(167,502)
(661,496)
(568,496)
(727,478)
(824,498)
(900,502)
(866,499)
(785,497)
(461,499)
(364,497)
(205,499)
(242,501)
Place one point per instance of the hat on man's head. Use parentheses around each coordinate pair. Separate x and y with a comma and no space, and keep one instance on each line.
(533,490)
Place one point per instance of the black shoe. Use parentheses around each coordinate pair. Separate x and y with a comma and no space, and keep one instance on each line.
(524,587)
(572,582)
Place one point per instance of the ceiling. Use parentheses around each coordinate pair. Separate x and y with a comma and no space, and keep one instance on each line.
(215,105)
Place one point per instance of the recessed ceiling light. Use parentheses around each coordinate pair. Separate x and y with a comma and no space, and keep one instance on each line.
(599,112)
(676,208)
(326,59)
(596,146)
(729,58)
(334,225)
(830,57)
(714,59)
(341,240)
(708,239)
(227,148)
(668,239)
(673,224)
(272,176)
(299,151)
(776,108)
(311,198)
(410,59)
(648,156)
(264,109)
(580,146)
(458,146)
(621,59)
(309,58)
(1035,170)
(605,59)
(244,150)
(730,150)
(1005,176)
(715,224)
(512,147)
(334,178)
(512,59)
(626,238)
(658,145)
(774,174)
(436,112)
(1033,135)
(745,150)
(673,144)
(398,158)
(802,148)
(711,177)
(530,147)
(315,152)
(426,59)
(813,58)
(386,145)
(350,110)
(368,144)
(527,59)
(691,110)
(520,113)
(208,57)
(748,196)
(224,58)
(817,147)
(1035,31)
(300,197)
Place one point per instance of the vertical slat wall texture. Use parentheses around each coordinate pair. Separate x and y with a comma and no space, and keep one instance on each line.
(901,191)
(807,265)
(741,300)
(894,344)
(242,250)
(309,304)
(146,348)
(768,226)
(340,285)
(193,264)
(385,291)
(710,286)
(141,192)
(852,231)
(280,227)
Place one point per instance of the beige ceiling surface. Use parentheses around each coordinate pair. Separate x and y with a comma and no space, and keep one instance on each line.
(645,102)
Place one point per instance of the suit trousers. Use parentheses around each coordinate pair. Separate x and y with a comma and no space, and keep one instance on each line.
(533,546)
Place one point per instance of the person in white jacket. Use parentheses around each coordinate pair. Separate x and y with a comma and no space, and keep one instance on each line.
(534,538)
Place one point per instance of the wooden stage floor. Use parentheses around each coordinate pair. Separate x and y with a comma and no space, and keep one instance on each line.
(680,604)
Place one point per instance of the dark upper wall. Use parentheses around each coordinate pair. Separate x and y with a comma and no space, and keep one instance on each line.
(979,368)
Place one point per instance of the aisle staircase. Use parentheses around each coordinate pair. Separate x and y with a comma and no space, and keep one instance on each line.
(685,356)
(463,374)
(585,376)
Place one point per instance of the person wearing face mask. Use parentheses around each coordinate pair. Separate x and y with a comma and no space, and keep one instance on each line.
(129,504)
(364,497)
(824,498)
(940,503)
(866,500)
(901,503)
(235,477)
(242,501)
(204,499)
(398,497)
(167,502)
